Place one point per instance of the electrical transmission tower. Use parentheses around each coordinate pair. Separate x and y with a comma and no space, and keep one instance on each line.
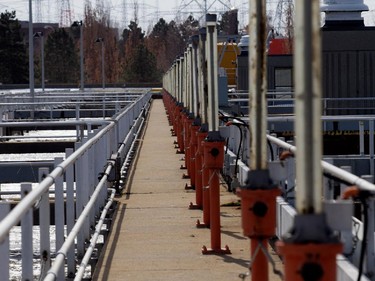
(124,13)
(38,11)
(283,21)
(201,8)
(65,12)
(157,11)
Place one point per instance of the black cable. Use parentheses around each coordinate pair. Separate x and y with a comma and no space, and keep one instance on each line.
(239,148)
(364,241)
(271,149)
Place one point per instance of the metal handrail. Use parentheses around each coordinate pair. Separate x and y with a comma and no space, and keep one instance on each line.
(22,207)
(18,212)
(70,240)
(329,168)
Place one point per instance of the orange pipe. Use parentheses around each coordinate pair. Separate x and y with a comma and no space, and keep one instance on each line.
(215,209)
(187,136)
(199,171)
(206,198)
(259,262)
(258,212)
(179,130)
(213,154)
(192,158)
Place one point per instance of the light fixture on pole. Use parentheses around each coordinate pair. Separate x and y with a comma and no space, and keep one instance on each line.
(41,36)
(101,40)
(80,25)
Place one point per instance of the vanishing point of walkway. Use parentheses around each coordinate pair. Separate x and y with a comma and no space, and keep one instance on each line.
(154,236)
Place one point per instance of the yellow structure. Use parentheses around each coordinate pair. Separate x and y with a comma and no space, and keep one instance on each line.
(227,53)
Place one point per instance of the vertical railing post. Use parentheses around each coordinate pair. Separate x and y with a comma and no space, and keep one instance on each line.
(371,147)
(370,243)
(213,147)
(59,215)
(258,204)
(361,138)
(85,190)
(70,212)
(4,245)
(44,227)
(310,235)
(79,200)
(27,237)
(202,171)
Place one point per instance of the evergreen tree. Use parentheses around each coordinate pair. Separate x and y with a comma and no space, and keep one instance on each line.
(141,66)
(61,59)
(13,57)
(229,23)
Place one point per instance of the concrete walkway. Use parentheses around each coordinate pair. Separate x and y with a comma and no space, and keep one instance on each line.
(154,236)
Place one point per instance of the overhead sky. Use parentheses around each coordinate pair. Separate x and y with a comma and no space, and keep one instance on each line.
(149,11)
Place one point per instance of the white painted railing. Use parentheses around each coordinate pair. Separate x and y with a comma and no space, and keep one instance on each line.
(84,175)
(339,213)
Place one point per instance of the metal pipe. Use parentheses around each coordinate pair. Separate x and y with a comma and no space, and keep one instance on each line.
(70,239)
(18,212)
(212,74)
(24,205)
(44,227)
(4,246)
(307,64)
(195,67)
(27,238)
(371,147)
(203,75)
(82,85)
(86,259)
(258,85)
(103,66)
(42,54)
(31,57)
(331,169)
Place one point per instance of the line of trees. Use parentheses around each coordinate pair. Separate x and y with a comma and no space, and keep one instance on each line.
(132,57)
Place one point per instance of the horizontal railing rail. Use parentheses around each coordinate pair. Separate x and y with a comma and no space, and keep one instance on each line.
(284,174)
(85,193)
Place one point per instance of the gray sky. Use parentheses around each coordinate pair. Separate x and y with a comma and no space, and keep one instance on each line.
(149,11)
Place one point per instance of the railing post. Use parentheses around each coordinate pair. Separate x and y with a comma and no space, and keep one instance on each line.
(371,147)
(79,201)
(91,160)
(70,212)
(59,215)
(85,190)
(213,147)
(27,237)
(361,138)
(4,246)
(44,227)
(258,196)
(101,159)
(77,118)
(370,243)
(310,243)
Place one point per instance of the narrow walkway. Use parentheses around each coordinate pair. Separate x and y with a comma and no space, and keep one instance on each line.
(154,236)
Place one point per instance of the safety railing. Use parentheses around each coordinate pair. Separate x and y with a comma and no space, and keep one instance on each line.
(282,102)
(56,101)
(350,228)
(82,196)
